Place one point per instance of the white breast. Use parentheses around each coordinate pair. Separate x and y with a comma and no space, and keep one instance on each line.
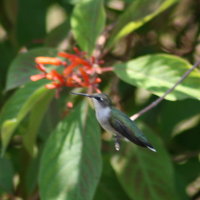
(103,118)
(103,114)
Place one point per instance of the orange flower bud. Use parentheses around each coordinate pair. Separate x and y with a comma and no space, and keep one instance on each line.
(97,80)
(48,60)
(70,104)
(52,85)
(49,76)
(37,77)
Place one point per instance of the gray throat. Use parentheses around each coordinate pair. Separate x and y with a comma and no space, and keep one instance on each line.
(103,114)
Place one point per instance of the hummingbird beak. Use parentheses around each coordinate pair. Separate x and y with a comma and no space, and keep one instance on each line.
(82,94)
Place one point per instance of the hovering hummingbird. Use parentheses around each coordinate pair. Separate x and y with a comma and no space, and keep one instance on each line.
(116,122)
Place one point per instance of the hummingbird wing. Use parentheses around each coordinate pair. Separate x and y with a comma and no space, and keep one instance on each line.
(127,128)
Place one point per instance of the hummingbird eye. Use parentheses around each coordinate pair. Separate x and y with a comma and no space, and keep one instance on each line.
(99,98)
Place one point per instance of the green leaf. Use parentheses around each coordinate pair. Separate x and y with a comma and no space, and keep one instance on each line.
(6,56)
(145,174)
(87,21)
(109,187)
(192,135)
(189,170)
(71,161)
(31,176)
(169,123)
(17,108)
(23,66)
(36,116)
(136,15)
(159,72)
(186,173)
(6,176)
(31,21)
(73,2)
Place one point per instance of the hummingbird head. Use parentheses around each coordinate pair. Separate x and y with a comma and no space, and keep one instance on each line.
(100,100)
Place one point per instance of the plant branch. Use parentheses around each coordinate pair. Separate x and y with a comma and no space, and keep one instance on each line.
(98,52)
(156,102)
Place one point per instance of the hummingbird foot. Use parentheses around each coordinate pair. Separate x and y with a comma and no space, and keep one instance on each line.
(117,142)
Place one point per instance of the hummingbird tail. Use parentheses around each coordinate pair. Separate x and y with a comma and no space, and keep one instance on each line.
(151,148)
(143,144)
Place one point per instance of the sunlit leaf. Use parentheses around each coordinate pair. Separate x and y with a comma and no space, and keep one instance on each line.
(71,161)
(17,108)
(145,174)
(137,14)
(159,72)
(87,22)
(23,66)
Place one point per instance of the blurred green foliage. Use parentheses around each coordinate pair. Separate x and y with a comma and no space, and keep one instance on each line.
(150,44)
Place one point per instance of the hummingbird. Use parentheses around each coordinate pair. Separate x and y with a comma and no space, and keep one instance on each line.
(116,122)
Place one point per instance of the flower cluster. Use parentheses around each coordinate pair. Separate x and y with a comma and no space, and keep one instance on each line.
(76,71)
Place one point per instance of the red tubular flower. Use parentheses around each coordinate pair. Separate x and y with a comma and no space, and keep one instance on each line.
(85,76)
(41,67)
(76,79)
(79,72)
(70,82)
(75,59)
(66,55)
(69,69)
(54,75)
(80,61)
